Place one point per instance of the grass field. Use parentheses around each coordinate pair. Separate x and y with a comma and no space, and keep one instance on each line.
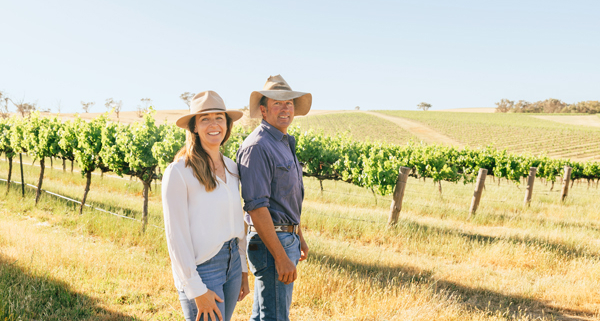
(516,132)
(507,262)
(359,126)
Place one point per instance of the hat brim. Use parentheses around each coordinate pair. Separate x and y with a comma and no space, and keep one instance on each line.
(184,120)
(302,101)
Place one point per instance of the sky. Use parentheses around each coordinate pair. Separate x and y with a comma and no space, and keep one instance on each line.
(373,54)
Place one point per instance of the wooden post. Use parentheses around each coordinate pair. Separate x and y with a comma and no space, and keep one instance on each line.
(478,190)
(529,190)
(22,180)
(398,195)
(565,183)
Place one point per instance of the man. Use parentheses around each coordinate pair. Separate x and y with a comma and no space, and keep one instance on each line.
(273,191)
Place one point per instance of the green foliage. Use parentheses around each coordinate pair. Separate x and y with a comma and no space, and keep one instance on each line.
(137,149)
(5,144)
(89,143)
(172,139)
(135,143)
(112,156)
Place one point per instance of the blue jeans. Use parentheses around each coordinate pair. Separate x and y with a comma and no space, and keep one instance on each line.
(221,274)
(272,298)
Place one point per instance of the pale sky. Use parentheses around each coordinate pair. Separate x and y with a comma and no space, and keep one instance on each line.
(373,54)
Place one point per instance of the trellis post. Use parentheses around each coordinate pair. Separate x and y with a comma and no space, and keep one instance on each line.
(478,190)
(398,195)
(529,190)
(565,184)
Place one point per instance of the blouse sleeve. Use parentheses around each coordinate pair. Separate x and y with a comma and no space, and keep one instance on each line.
(179,239)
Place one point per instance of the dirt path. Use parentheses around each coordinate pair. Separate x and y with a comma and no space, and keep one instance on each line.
(423,132)
(587,120)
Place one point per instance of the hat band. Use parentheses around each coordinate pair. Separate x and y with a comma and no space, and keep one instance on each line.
(280,87)
(211,109)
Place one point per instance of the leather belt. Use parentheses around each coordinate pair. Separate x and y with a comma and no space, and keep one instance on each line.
(279,229)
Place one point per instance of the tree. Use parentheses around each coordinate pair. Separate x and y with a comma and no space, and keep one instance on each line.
(424,106)
(5,146)
(40,138)
(87,151)
(3,109)
(86,106)
(112,104)
(16,143)
(187,98)
(504,105)
(24,108)
(357,108)
(68,140)
(136,143)
(142,110)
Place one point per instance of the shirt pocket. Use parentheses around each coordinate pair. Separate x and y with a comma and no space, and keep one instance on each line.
(285,178)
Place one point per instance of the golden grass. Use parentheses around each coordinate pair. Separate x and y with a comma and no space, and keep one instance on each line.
(506,262)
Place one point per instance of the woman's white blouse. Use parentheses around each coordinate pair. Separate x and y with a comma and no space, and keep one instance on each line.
(197,223)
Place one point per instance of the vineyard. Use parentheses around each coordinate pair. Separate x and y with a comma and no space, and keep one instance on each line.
(360,126)
(507,262)
(142,149)
(517,133)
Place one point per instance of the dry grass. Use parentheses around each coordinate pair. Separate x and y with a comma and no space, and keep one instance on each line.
(507,262)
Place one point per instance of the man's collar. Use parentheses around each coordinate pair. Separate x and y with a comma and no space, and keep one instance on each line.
(276,133)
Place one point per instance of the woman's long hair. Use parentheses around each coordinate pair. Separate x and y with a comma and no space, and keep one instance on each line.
(197,158)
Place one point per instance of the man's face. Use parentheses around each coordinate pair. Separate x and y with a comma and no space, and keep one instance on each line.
(279,113)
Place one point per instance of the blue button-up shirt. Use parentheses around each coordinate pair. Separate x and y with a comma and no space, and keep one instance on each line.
(271,175)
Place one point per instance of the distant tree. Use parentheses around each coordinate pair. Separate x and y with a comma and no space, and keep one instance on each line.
(86,106)
(424,106)
(3,109)
(504,105)
(187,98)
(141,110)
(24,108)
(357,108)
(111,104)
(58,106)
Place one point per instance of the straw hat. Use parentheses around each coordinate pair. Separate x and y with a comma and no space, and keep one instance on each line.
(276,88)
(207,102)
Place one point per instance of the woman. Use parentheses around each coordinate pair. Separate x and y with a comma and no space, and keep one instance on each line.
(203,214)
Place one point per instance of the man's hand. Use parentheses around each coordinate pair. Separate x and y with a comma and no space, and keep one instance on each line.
(303,250)
(286,270)
(303,245)
(207,306)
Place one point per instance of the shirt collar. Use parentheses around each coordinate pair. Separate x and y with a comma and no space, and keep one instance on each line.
(276,133)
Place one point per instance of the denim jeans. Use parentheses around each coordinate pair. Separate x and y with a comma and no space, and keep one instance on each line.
(272,298)
(223,275)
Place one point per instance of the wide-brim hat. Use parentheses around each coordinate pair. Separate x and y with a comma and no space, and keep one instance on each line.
(277,88)
(207,102)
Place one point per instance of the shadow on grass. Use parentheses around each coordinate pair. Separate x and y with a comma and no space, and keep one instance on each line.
(474,299)
(543,222)
(418,230)
(26,296)
(560,249)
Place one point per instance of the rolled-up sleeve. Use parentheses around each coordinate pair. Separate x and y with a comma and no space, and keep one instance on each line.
(179,239)
(256,174)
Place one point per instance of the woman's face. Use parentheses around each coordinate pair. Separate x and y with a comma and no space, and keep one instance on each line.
(212,129)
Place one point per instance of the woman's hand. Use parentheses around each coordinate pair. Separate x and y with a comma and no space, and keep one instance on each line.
(245,289)
(207,306)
